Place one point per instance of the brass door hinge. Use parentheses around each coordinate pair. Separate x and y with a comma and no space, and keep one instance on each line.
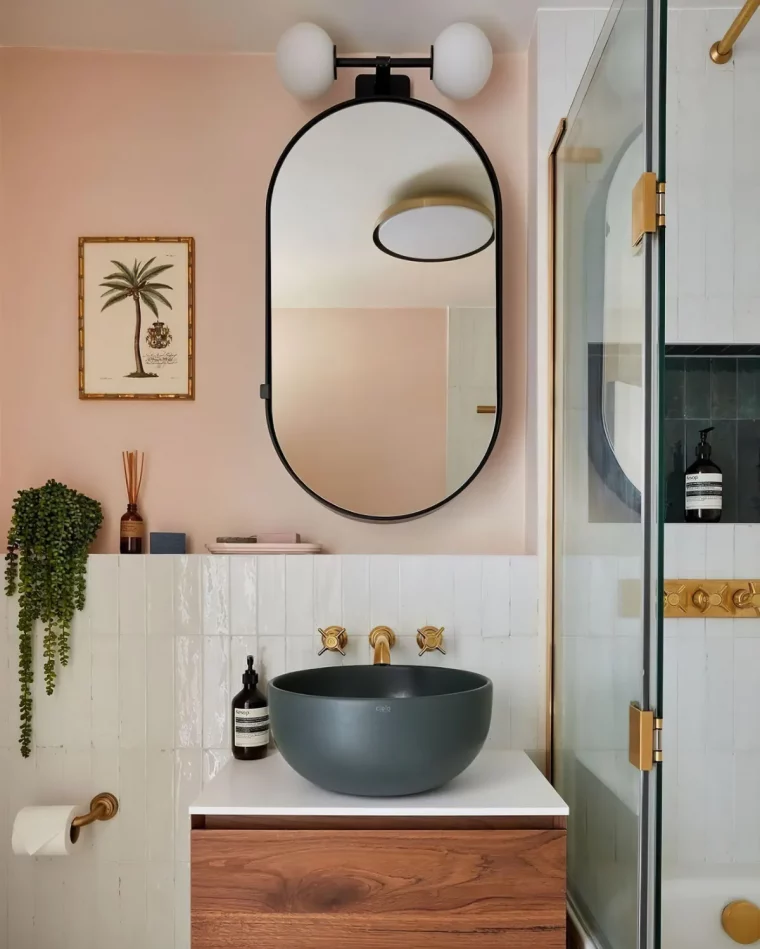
(648,207)
(644,738)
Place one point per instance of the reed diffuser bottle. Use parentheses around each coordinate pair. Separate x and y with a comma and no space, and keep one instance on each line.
(132,529)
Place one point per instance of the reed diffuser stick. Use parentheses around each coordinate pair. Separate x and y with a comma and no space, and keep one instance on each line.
(132,526)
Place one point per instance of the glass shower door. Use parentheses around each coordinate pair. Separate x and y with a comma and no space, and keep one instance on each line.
(608,304)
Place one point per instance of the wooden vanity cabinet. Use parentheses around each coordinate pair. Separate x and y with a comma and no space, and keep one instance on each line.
(379,883)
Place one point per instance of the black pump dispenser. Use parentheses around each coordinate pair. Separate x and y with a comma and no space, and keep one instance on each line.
(250,676)
(704,484)
(250,718)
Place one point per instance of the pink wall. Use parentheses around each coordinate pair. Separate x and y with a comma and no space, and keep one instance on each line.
(102,143)
(360,410)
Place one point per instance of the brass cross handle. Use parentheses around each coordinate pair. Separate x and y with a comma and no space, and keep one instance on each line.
(430,638)
(334,639)
(704,600)
(748,599)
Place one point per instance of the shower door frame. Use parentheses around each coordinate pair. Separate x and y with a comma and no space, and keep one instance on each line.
(650,782)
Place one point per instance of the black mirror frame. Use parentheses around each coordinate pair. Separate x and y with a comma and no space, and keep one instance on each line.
(266,391)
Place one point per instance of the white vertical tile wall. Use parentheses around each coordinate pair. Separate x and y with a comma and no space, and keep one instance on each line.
(143,708)
(711,708)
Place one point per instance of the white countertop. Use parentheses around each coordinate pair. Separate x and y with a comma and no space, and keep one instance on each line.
(497,784)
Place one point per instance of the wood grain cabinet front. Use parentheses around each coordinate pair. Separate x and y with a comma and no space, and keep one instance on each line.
(384,889)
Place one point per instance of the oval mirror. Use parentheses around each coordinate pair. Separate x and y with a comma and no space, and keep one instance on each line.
(383,308)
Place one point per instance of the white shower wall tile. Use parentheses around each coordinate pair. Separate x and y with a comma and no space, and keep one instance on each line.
(143,710)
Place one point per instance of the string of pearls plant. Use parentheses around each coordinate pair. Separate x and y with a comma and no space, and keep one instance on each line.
(51,530)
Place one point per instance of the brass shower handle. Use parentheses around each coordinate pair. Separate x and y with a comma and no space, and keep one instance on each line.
(748,599)
(430,638)
(334,639)
(704,600)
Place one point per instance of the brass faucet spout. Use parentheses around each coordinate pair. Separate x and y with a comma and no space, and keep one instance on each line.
(382,639)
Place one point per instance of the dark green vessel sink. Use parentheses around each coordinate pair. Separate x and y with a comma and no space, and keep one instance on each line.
(380,731)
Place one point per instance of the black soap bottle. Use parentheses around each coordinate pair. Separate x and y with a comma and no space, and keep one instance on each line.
(250,719)
(704,485)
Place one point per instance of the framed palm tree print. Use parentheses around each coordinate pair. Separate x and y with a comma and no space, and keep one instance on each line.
(136,318)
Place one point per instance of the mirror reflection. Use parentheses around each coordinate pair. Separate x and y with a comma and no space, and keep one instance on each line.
(383,308)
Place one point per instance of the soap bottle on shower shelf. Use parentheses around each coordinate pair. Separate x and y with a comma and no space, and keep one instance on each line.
(704,485)
(250,719)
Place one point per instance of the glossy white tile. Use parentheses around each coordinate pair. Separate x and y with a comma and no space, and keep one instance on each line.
(188,707)
(159,582)
(243,596)
(496,596)
(216,691)
(271,596)
(468,600)
(299,595)
(132,604)
(215,573)
(187,595)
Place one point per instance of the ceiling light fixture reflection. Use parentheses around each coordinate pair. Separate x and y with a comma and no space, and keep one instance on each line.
(434,229)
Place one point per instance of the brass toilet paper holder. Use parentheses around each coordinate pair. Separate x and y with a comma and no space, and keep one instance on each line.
(102,807)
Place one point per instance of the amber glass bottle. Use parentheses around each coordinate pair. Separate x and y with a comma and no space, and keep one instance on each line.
(250,719)
(131,531)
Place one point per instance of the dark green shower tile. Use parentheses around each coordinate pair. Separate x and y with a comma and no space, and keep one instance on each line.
(723,388)
(696,392)
(748,388)
(673,468)
(723,441)
(748,480)
(673,383)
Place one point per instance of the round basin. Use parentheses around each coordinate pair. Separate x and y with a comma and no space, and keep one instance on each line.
(381,731)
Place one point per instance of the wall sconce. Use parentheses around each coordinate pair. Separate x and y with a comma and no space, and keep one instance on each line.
(460,63)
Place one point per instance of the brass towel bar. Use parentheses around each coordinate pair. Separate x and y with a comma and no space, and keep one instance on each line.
(722,51)
(715,599)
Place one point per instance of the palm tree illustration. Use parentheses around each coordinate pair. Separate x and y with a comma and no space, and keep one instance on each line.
(137,282)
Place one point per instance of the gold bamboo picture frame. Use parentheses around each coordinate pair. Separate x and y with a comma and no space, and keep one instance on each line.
(136,318)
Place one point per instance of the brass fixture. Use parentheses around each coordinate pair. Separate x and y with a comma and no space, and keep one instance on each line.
(430,638)
(648,206)
(102,807)
(748,599)
(486,410)
(741,921)
(713,599)
(722,51)
(644,738)
(703,599)
(334,639)
(382,639)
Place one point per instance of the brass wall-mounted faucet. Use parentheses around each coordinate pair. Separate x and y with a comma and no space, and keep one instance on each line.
(382,639)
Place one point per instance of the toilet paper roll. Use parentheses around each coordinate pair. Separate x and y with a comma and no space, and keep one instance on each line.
(45,831)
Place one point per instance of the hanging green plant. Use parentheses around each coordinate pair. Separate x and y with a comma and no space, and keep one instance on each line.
(51,530)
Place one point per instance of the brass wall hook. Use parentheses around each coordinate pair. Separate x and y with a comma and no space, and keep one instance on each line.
(102,807)
(430,638)
(334,639)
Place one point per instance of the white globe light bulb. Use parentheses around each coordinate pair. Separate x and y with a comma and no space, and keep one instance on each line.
(306,61)
(462,61)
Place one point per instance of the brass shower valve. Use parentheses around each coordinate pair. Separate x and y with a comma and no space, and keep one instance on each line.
(713,599)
